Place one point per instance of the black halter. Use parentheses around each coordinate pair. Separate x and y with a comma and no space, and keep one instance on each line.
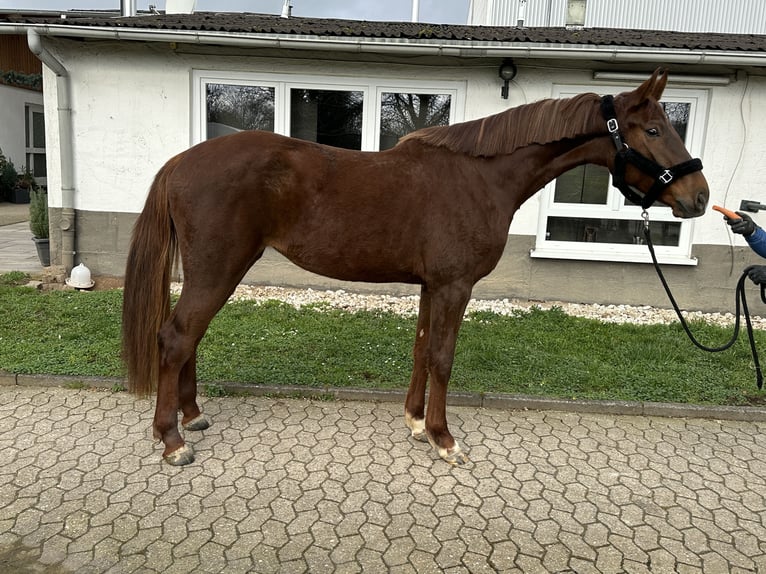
(662,176)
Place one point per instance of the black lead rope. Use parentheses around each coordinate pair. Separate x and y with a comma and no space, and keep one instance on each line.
(664,177)
(740,301)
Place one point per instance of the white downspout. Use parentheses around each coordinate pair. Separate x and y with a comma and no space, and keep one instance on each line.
(65,146)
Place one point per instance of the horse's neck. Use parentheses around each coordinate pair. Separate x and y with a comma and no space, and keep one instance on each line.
(559,157)
(529,169)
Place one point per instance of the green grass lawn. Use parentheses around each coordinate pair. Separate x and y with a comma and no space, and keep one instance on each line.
(545,353)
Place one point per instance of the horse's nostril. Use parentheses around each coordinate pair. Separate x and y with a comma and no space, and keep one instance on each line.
(701,202)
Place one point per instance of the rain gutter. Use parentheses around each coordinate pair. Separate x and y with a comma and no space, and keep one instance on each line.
(63,94)
(458,48)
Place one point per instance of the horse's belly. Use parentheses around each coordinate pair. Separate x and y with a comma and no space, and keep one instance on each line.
(352,265)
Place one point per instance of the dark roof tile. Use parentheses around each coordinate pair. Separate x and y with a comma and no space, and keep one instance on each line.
(248,23)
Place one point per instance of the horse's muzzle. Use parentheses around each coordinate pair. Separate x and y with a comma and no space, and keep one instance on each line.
(692,206)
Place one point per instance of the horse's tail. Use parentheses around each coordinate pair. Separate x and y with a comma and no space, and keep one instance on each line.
(146,299)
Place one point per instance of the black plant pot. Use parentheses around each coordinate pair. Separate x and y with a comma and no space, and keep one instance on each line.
(43,250)
(19,195)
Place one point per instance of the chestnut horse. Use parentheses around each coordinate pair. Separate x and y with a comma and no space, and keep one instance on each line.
(433,211)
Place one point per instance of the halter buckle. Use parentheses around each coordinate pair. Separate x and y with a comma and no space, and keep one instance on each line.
(666,177)
(612,126)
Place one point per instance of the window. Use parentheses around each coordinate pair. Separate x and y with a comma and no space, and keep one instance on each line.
(583,216)
(34,121)
(366,115)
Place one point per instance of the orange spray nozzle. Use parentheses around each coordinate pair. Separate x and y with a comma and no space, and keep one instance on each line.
(727,212)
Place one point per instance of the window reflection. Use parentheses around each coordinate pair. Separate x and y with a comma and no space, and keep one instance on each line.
(402,113)
(331,117)
(232,108)
(583,184)
(622,231)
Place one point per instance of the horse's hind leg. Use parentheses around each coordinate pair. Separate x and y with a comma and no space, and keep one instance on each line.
(193,419)
(178,339)
(415,403)
(204,292)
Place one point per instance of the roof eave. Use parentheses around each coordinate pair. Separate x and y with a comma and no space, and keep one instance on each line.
(404,46)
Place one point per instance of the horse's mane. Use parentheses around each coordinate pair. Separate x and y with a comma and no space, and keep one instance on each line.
(536,123)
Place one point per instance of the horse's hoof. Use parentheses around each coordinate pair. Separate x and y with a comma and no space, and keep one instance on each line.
(421,436)
(181,456)
(455,459)
(198,423)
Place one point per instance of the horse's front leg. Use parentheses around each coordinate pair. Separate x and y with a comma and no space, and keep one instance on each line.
(193,419)
(447,307)
(415,404)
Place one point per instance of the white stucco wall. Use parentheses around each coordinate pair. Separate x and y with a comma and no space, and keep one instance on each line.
(733,156)
(12,129)
(132,112)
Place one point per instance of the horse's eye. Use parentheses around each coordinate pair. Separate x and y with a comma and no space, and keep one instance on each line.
(653,132)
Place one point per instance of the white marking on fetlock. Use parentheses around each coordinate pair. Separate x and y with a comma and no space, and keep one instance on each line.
(417,427)
(453,455)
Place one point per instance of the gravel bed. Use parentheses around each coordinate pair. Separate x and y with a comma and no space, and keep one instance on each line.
(408,305)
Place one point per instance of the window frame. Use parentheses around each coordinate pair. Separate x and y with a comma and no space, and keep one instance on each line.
(29,140)
(614,208)
(283,83)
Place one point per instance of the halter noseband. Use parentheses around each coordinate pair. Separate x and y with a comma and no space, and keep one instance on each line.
(662,176)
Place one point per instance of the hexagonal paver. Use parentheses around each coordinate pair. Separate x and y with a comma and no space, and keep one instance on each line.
(285,485)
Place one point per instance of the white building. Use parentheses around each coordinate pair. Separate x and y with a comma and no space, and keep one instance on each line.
(143,88)
(22,130)
(707,16)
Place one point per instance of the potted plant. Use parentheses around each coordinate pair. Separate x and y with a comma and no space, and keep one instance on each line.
(38,223)
(24,185)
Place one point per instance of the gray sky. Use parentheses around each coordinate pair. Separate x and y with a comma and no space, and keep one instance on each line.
(436,11)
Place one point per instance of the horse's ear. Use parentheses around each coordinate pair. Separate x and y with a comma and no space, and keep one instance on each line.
(654,86)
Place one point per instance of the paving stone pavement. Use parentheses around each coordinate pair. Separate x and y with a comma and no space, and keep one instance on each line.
(294,485)
(17,250)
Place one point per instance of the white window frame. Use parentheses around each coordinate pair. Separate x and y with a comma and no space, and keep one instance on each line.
(614,207)
(30,150)
(283,83)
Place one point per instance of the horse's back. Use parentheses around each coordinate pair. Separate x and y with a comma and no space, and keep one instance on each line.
(351,215)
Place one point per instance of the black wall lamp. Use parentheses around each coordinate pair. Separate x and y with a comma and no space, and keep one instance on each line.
(507,72)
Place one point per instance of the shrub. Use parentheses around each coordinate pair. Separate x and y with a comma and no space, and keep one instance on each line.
(38,213)
(8,177)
